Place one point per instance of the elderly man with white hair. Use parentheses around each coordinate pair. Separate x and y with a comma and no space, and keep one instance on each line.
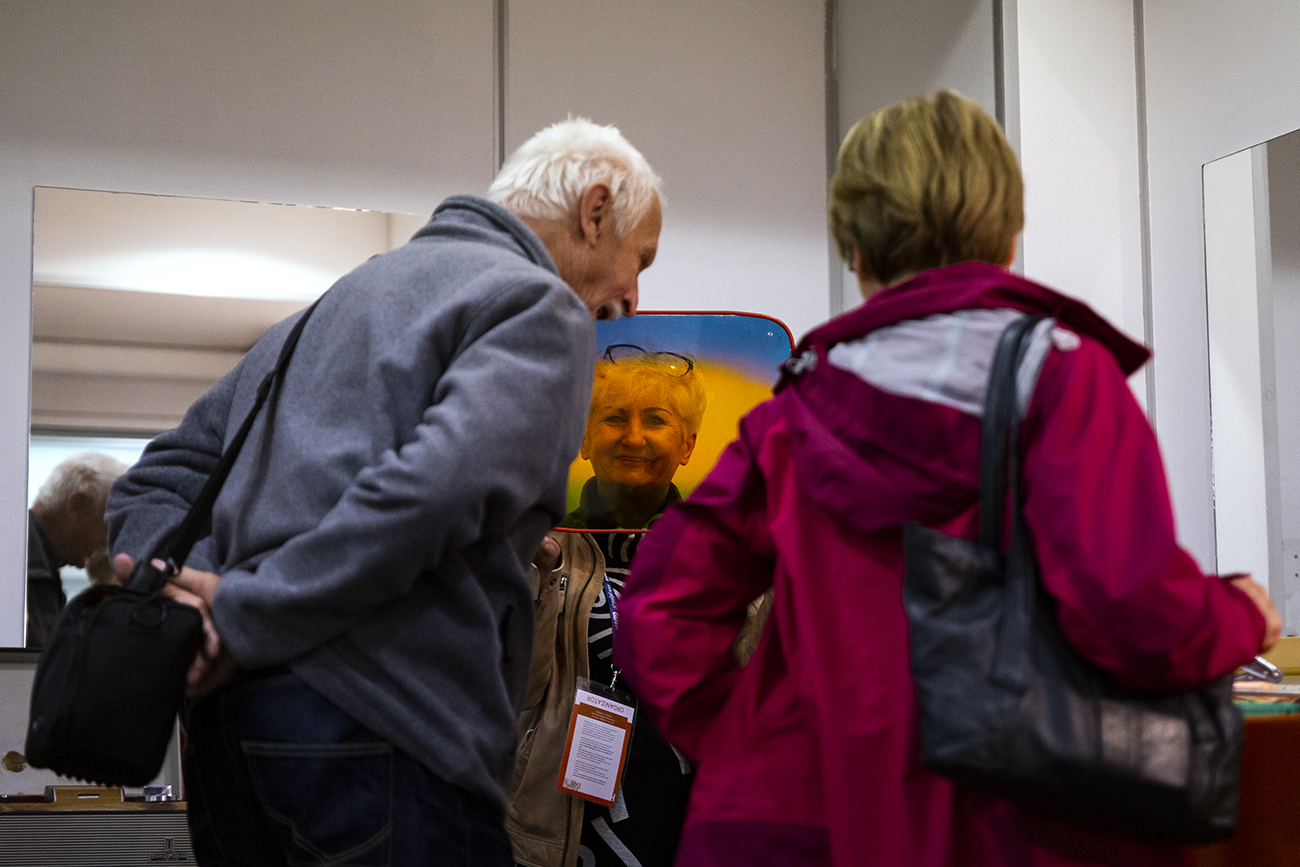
(65,527)
(366,605)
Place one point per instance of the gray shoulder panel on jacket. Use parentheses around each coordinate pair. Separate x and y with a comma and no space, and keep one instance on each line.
(944,358)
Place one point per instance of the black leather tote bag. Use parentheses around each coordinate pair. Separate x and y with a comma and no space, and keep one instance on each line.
(1007,706)
(111,676)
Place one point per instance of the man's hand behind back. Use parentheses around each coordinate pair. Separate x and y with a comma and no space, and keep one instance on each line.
(213,666)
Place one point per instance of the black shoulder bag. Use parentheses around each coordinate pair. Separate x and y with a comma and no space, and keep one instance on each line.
(112,673)
(1007,706)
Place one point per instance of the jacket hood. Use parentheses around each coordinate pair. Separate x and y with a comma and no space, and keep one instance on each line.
(877,459)
(975,285)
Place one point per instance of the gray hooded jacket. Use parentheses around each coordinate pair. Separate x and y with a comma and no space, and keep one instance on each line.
(373,532)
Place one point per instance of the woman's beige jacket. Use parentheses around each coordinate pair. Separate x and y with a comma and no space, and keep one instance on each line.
(545,824)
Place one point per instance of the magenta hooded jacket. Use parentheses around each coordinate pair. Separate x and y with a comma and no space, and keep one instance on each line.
(808,755)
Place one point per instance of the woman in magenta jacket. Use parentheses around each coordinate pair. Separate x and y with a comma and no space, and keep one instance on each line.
(808,756)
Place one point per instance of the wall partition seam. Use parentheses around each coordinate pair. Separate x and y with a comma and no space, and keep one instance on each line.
(501,48)
(1006,76)
(1144,202)
(999,63)
(835,269)
(1006,89)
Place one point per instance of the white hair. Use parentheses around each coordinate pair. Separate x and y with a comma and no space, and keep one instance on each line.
(91,473)
(546,177)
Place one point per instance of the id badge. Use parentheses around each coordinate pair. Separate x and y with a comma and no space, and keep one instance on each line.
(600,731)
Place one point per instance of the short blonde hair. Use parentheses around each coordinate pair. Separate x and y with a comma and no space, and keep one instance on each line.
(649,380)
(925,183)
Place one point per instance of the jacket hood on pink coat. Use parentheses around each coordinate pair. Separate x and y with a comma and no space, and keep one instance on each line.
(922,462)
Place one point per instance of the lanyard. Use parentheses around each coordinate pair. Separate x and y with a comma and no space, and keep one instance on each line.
(613,623)
(613,607)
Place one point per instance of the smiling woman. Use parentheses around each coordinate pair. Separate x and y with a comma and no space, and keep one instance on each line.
(654,377)
(646,411)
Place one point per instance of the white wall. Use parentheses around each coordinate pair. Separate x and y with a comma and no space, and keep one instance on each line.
(889,50)
(725,98)
(1078,133)
(1219,78)
(1214,80)
(1198,81)
(1071,113)
(392,107)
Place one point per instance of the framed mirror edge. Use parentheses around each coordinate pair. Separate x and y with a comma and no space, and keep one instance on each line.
(1251,211)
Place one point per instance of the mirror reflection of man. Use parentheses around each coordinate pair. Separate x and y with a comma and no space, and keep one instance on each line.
(363,588)
(66,527)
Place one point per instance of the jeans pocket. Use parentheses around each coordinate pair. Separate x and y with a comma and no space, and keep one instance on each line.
(329,803)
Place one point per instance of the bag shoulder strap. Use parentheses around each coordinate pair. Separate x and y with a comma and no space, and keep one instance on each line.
(176,547)
(1000,469)
(998,434)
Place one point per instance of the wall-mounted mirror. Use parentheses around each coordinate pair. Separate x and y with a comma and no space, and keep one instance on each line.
(1252,259)
(141,302)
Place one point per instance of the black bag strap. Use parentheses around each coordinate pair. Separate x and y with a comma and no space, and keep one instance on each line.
(997,437)
(1000,470)
(176,547)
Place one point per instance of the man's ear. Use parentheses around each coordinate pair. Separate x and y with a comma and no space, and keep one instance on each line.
(594,212)
(78,502)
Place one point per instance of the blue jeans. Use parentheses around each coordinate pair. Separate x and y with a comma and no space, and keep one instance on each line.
(277,775)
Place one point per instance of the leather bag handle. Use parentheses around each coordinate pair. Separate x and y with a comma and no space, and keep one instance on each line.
(1000,470)
(998,434)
